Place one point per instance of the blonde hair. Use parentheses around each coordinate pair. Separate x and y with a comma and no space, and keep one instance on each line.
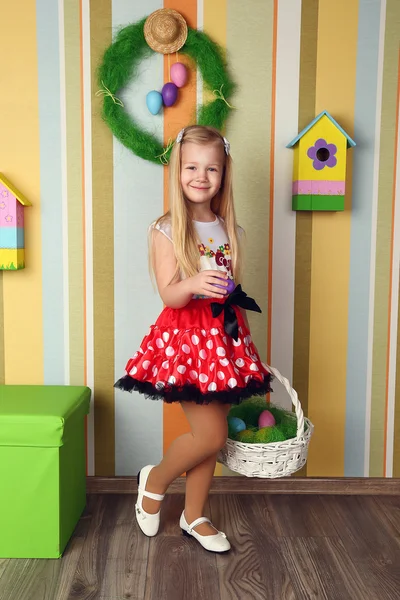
(184,235)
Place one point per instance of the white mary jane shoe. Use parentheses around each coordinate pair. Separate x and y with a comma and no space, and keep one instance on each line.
(147,522)
(212,543)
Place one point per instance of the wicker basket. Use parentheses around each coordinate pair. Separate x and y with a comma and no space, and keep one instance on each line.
(278,459)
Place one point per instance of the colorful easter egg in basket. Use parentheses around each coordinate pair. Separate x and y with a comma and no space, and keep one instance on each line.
(236,424)
(266,419)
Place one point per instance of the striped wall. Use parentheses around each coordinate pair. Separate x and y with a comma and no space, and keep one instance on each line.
(328,284)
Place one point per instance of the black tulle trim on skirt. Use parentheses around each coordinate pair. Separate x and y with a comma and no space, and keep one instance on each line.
(191,393)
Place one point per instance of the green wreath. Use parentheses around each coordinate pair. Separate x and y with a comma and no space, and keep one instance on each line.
(120,64)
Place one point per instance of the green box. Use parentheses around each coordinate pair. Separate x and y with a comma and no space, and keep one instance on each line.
(42,468)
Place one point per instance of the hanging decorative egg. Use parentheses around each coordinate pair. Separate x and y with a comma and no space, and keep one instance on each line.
(169,94)
(154,101)
(179,74)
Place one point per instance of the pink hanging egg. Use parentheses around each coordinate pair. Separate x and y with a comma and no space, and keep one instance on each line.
(169,94)
(179,74)
(266,419)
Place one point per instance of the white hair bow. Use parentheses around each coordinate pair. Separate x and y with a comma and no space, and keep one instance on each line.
(227,145)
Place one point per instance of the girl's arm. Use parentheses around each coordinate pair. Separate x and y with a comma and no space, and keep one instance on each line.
(174,292)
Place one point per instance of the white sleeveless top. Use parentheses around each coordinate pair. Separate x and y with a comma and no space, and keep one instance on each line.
(215,251)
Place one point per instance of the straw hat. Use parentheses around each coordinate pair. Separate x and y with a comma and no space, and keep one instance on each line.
(165,31)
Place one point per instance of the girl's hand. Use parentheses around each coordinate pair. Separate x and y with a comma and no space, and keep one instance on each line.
(203,284)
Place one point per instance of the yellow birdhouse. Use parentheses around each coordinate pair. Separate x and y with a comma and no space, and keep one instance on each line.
(319,166)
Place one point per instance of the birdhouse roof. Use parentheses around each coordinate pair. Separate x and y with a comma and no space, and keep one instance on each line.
(350,142)
(19,196)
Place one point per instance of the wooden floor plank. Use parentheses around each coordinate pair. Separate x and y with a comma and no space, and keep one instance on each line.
(3,564)
(26,579)
(72,555)
(299,516)
(87,580)
(179,568)
(321,568)
(389,508)
(254,569)
(126,561)
(369,541)
(359,521)
(45,579)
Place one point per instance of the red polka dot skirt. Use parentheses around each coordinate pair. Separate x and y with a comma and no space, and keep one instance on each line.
(188,356)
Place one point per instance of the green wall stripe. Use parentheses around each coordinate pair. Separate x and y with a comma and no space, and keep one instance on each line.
(103,253)
(249,132)
(383,240)
(302,286)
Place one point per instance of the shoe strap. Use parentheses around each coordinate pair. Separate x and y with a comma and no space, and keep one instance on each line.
(197,522)
(150,495)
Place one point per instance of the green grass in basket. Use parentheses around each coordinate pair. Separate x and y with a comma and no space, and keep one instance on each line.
(250,410)
(288,426)
(247,436)
(269,435)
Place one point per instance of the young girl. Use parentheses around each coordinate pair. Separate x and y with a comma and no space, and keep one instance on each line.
(199,352)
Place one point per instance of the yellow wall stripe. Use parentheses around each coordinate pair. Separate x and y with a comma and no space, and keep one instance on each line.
(214,23)
(19,157)
(331,249)
(103,254)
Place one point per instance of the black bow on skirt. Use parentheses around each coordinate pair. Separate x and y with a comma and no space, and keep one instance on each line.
(239,298)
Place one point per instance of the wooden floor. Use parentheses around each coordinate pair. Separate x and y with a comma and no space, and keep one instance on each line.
(284,547)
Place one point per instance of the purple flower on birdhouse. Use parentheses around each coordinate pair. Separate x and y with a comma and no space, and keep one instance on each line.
(322,154)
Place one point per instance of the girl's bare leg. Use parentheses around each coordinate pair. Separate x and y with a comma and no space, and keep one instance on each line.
(194,453)
(198,483)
